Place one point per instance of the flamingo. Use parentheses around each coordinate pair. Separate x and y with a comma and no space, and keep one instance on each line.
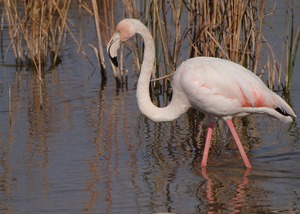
(219,88)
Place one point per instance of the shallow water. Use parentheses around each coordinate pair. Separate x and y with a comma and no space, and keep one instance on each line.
(87,149)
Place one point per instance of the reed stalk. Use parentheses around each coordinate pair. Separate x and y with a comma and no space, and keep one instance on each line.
(104,24)
(101,53)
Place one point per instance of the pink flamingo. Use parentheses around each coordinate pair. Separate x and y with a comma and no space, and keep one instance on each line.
(219,88)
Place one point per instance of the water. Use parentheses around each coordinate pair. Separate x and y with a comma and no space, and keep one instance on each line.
(88,149)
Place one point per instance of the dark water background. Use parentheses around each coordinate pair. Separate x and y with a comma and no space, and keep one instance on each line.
(88,149)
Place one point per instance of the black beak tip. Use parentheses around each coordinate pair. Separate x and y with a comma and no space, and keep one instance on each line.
(114,60)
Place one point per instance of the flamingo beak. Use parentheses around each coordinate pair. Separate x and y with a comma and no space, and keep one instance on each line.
(112,48)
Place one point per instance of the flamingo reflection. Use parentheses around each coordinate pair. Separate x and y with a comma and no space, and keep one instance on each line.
(212,194)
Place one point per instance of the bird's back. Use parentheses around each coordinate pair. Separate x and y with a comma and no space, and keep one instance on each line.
(222,88)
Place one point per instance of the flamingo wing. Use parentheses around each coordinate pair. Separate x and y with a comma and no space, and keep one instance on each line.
(224,89)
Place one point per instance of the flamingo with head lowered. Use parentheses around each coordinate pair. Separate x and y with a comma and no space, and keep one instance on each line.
(219,88)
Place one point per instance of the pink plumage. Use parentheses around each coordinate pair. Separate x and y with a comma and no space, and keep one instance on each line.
(222,88)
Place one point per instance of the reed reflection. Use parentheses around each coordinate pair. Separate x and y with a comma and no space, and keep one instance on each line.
(115,159)
(31,126)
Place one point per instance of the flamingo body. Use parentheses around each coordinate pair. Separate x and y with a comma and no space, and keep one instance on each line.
(223,89)
(219,88)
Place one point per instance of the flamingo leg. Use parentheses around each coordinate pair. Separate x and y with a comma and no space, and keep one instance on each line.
(238,143)
(207,144)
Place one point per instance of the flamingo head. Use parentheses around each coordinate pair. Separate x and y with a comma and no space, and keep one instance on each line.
(124,31)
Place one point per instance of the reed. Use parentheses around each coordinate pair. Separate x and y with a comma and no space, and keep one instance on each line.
(230,29)
(100,55)
(104,24)
(292,42)
(227,29)
(35,30)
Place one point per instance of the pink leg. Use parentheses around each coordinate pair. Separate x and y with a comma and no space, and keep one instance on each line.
(238,143)
(207,144)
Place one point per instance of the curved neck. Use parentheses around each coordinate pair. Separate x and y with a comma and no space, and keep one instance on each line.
(168,113)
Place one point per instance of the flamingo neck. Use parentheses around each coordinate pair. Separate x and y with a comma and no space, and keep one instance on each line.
(168,113)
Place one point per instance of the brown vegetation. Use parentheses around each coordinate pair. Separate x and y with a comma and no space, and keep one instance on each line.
(36,29)
(230,29)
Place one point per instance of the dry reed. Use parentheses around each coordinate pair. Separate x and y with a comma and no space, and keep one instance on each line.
(230,29)
(104,24)
(35,30)
(225,29)
(100,55)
